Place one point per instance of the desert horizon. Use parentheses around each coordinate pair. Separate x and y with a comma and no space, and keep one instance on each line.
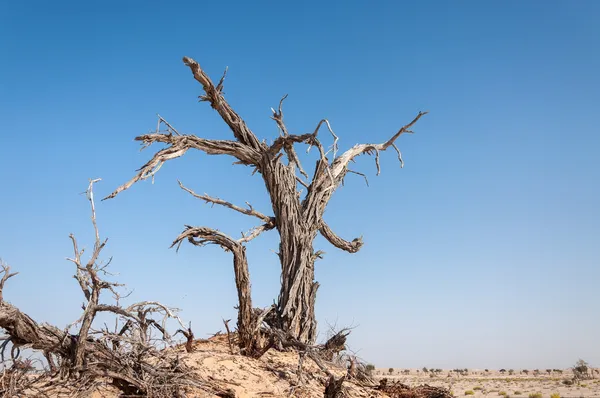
(504,372)
(533,383)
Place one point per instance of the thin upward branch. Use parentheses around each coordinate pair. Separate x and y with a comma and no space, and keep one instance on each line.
(170,128)
(278,117)
(6,275)
(288,146)
(90,195)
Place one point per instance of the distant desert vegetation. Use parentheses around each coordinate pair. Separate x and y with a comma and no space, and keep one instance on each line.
(582,381)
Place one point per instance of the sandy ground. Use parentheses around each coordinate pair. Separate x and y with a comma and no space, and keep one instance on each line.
(495,384)
(276,375)
(273,375)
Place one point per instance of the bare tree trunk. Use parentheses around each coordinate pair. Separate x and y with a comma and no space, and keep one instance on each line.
(298,288)
(295,307)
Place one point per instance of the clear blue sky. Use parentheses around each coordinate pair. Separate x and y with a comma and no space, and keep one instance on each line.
(484,251)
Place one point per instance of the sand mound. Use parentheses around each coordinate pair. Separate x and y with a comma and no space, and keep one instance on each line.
(273,375)
(276,374)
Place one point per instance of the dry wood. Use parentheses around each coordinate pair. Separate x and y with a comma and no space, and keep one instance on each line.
(229,339)
(334,387)
(16,381)
(130,357)
(297,217)
(189,338)
(399,390)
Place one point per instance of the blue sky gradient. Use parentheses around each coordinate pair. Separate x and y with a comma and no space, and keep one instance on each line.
(484,251)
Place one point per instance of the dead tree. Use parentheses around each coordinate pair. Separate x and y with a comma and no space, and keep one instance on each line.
(298,202)
(129,356)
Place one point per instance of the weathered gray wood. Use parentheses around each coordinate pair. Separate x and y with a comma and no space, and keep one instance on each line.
(297,220)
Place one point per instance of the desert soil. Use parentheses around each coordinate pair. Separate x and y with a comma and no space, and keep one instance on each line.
(496,384)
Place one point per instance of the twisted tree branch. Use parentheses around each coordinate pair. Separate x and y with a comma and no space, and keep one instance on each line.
(350,247)
(340,165)
(214,95)
(178,146)
(199,236)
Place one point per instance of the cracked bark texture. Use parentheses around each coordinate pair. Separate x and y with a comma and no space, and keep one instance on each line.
(298,219)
